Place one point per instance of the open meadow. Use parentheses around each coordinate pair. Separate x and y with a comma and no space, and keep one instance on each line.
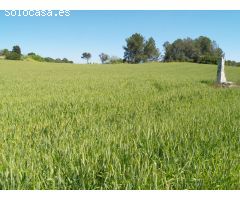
(143,126)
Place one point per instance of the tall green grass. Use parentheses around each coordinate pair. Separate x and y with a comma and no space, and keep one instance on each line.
(148,126)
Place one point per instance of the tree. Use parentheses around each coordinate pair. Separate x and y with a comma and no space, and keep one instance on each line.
(36,57)
(140,50)
(58,60)
(103,57)
(204,44)
(209,50)
(151,52)
(134,50)
(31,54)
(115,60)
(232,63)
(199,50)
(4,52)
(218,52)
(86,56)
(17,50)
(15,54)
(167,52)
(48,59)
(65,60)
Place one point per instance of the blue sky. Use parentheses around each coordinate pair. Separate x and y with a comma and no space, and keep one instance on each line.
(106,31)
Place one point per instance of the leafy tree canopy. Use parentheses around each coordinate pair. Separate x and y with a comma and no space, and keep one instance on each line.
(139,50)
(200,50)
(86,56)
(103,57)
(17,50)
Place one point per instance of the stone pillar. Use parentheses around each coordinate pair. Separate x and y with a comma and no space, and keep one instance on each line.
(221,78)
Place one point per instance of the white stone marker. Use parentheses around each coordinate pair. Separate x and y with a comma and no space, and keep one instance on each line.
(221,78)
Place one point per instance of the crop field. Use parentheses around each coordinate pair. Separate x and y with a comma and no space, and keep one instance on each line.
(145,126)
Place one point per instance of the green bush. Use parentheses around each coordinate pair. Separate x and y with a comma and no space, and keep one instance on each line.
(115,60)
(37,58)
(13,56)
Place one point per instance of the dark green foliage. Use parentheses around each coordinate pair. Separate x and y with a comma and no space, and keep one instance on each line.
(65,60)
(232,63)
(47,59)
(204,44)
(86,56)
(103,57)
(139,50)
(134,50)
(58,60)
(13,56)
(151,52)
(31,54)
(4,52)
(17,50)
(200,50)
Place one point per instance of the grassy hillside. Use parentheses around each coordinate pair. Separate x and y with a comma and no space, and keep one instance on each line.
(149,126)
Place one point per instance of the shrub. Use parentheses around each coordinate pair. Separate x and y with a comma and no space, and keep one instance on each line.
(115,60)
(36,58)
(13,56)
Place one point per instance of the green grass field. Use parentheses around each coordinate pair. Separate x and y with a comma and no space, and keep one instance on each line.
(146,126)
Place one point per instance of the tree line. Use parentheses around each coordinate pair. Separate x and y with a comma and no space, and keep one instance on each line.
(16,54)
(199,50)
(105,58)
(138,49)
